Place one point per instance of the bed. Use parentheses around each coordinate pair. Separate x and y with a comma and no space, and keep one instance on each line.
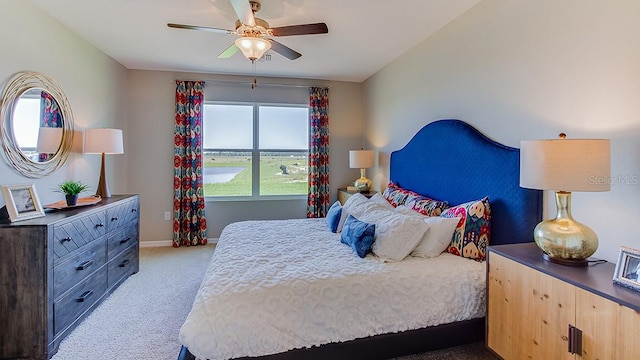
(295,290)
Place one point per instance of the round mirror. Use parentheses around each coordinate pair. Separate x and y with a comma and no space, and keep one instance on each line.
(37,124)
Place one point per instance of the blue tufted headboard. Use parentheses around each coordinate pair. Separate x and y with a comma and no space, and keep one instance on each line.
(451,160)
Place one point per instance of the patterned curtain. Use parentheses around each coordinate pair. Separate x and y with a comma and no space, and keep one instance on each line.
(50,116)
(189,222)
(318,197)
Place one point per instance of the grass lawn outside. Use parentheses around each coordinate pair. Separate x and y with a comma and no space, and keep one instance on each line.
(280,174)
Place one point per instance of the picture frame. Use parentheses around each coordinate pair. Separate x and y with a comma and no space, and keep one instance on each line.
(627,272)
(22,202)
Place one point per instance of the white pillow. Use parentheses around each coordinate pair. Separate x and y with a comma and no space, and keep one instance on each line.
(396,235)
(437,238)
(380,200)
(356,205)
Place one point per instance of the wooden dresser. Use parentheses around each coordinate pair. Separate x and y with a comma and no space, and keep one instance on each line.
(56,269)
(541,310)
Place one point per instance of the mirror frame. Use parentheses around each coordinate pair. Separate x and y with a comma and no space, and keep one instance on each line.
(19,84)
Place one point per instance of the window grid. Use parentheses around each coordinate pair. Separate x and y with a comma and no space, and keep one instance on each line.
(255,154)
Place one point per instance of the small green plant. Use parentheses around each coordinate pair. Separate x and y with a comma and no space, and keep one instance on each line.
(71,187)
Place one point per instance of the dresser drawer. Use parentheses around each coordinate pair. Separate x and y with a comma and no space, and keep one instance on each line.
(72,235)
(72,305)
(73,270)
(123,266)
(122,214)
(122,239)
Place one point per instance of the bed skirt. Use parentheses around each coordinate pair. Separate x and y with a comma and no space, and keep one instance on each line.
(384,346)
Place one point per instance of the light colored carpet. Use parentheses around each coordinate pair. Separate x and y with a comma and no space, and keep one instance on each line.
(141,319)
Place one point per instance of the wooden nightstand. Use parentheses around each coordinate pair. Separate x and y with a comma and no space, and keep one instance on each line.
(343,194)
(541,310)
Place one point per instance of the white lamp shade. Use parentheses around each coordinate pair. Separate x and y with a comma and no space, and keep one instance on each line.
(252,47)
(49,140)
(566,164)
(98,141)
(361,159)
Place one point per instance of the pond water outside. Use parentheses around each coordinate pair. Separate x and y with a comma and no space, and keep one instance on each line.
(217,175)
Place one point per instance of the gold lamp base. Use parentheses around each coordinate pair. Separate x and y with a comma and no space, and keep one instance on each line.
(564,240)
(363,184)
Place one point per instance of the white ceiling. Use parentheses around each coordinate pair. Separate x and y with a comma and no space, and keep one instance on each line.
(364,35)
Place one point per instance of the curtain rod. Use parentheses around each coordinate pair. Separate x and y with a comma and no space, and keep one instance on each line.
(258,84)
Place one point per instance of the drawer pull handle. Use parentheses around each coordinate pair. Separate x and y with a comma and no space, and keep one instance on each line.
(100,225)
(575,340)
(115,218)
(125,240)
(85,296)
(134,210)
(84,265)
(62,241)
(124,263)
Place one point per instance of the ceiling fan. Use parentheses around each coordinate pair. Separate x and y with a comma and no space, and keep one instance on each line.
(255,34)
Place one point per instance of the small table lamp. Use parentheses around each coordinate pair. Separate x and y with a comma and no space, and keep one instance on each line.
(565,165)
(103,141)
(362,159)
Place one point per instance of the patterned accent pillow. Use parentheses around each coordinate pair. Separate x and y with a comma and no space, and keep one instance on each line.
(471,236)
(396,195)
(426,206)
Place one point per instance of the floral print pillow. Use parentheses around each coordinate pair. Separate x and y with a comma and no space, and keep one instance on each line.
(426,206)
(396,195)
(471,236)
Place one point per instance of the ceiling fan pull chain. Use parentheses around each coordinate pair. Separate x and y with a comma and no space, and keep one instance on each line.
(255,81)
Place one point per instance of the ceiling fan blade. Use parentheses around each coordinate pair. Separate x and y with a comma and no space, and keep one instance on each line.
(229,52)
(244,12)
(284,50)
(305,29)
(201,28)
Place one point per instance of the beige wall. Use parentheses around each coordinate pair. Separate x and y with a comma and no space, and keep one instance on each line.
(150,167)
(521,70)
(94,84)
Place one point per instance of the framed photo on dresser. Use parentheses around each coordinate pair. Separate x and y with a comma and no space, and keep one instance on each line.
(627,272)
(22,202)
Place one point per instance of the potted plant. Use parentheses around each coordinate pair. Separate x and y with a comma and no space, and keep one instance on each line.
(71,190)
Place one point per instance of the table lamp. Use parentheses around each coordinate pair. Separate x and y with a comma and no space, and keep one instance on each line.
(565,165)
(362,159)
(103,141)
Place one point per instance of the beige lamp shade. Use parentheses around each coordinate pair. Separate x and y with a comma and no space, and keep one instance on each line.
(566,164)
(361,159)
(107,141)
(49,140)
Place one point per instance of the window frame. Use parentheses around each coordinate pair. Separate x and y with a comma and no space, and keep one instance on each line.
(255,152)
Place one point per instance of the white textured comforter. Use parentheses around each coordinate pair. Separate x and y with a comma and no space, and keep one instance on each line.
(273,286)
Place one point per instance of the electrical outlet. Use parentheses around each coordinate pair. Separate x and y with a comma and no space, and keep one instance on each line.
(167,215)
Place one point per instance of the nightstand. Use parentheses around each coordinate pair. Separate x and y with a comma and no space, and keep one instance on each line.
(343,194)
(541,310)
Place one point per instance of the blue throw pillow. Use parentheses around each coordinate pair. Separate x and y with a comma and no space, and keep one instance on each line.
(358,235)
(333,216)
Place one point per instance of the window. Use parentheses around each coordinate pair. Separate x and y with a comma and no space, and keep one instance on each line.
(255,150)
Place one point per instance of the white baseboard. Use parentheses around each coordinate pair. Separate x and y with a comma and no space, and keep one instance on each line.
(162,243)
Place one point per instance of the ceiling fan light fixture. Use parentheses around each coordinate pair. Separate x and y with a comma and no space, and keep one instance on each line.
(253,48)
